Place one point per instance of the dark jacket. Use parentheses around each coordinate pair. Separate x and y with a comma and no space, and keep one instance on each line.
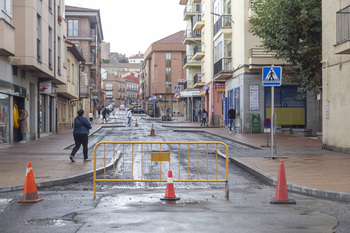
(81,125)
(231,114)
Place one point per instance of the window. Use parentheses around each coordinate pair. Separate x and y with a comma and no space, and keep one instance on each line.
(109,94)
(50,48)
(68,69)
(73,73)
(59,55)
(167,56)
(38,38)
(73,28)
(109,87)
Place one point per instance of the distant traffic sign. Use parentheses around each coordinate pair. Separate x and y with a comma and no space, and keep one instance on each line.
(177,95)
(177,89)
(267,123)
(181,80)
(272,76)
(154,98)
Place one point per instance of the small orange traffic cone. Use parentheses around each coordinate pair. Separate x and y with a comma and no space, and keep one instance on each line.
(152,131)
(170,191)
(136,125)
(281,188)
(30,194)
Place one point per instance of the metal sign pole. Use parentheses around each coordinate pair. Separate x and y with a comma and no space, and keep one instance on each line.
(272,112)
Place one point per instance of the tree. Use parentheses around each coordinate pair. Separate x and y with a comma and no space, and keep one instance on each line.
(292,29)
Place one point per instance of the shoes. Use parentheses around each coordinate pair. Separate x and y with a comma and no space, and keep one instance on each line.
(230,131)
(201,124)
(235,131)
(72,158)
(22,141)
(88,159)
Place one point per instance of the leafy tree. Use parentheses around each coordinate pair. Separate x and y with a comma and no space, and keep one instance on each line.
(292,29)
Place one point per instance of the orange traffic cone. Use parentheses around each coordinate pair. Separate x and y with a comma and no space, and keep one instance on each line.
(30,194)
(136,125)
(152,131)
(281,188)
(170,192)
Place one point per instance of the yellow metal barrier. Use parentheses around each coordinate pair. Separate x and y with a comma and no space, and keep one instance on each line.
(136,157)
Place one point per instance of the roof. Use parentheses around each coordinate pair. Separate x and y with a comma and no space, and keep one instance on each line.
(176,38)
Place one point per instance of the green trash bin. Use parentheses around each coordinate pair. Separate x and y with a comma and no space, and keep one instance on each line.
(255,123)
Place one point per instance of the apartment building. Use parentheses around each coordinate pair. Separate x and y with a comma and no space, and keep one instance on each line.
(162,71)
(32,48)
(120,90)
(335,73)
(230,64)
(84,29)
(68,102)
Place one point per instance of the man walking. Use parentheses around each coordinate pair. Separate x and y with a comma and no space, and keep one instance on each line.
(232,117)
(204,117)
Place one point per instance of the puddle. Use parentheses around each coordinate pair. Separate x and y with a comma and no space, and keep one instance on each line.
(49,222)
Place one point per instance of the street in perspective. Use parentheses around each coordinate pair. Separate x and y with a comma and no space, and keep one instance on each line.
(174,116)
(125,203)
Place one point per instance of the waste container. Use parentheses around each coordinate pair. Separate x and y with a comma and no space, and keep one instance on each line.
(255,123)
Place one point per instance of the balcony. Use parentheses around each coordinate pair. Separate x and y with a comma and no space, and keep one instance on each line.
(198,81)
(82,34)
(223,69)
(191,36)
(259,57)
(191,10)
(223,24)
(198,22)
(84,91)
(190,62)
(7,39)
(198,53)
(343,31)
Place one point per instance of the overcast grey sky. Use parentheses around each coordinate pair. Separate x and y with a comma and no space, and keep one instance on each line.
(133,25)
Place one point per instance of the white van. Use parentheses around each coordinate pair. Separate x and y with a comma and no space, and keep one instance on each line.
(122,107)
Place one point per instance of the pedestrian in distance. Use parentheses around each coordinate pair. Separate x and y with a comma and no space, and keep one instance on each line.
(104,114)
(231,117)
(23,124)
(199,115)
(128,116)
(81,135)
(91,117)
(204,117)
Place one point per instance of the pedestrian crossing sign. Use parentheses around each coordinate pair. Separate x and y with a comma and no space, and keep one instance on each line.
(272,76)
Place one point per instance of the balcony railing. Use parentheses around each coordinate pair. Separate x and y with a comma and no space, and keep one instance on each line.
(192,34)
(343,24)
(189,59)
(224,21)
(260,52)
(192,8)
(196,18)
(197,49)
(223,65)
(197,78)
(82,33)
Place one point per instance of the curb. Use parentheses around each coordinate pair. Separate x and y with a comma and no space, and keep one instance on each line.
(227,138)
(61,181)
(271,180)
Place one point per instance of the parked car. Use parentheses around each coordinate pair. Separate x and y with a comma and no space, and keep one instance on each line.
(138,110)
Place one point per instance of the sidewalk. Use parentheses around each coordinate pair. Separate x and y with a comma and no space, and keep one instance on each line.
(309,170)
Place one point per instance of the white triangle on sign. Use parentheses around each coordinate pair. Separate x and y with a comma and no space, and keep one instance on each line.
(271,77)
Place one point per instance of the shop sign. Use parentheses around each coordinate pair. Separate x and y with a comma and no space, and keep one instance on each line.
(219,85)
(45,87)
